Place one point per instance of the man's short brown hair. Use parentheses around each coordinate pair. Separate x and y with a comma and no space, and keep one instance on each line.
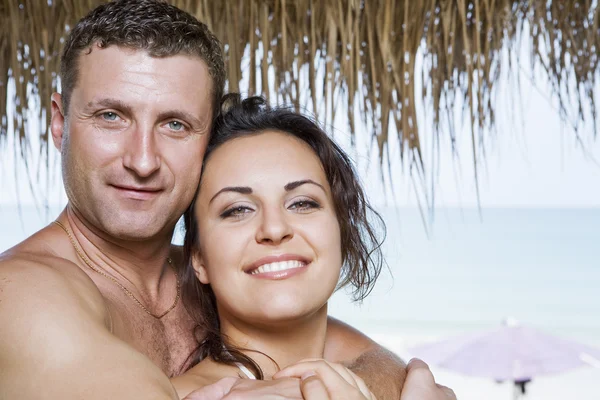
(159,28)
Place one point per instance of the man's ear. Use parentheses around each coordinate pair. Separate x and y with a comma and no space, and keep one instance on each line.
(199,268)
(57,124)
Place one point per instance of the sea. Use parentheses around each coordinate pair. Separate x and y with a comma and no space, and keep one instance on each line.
(451,271)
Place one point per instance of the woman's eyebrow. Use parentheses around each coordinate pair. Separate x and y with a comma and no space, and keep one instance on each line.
(293,185)
(236,189)
(248,190)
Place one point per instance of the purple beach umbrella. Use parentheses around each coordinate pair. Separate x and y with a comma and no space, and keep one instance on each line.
(511,352)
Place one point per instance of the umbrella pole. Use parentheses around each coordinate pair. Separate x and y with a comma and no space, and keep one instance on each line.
(519,388)
(516,391)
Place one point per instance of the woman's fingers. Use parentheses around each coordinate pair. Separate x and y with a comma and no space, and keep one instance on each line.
(353,379)
(364,389)
(340,382)
(343,372)
(216,391)
(324,369)
(313,388)
(312,364)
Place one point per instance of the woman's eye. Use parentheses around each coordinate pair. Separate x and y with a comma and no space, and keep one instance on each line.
(176,126)
(304,205)
(236,212)
(109,116)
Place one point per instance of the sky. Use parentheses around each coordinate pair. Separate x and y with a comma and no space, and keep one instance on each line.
(532,160)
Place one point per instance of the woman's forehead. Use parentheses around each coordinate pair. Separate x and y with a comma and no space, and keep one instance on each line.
(270,153)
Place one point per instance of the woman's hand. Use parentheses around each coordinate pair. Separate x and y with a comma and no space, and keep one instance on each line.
(321,379)
(246,389)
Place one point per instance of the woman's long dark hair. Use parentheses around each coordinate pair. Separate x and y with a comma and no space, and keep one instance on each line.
(361,244)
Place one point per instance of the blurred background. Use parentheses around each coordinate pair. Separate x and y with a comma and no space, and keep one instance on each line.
(472,123)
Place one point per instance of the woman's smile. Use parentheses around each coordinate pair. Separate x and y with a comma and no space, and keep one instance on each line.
(278,267)
(279,270)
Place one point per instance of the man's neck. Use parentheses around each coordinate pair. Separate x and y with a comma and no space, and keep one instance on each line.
(141,266)
(284,344)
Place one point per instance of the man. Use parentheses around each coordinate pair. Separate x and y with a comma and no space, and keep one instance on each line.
(90,306)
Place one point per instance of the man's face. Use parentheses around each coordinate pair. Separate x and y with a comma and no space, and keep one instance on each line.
(133,139)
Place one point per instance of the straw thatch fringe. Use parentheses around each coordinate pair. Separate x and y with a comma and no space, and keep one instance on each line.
(314,53)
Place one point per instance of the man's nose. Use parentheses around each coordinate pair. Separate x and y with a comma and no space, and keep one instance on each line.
(275,227)
(142,154)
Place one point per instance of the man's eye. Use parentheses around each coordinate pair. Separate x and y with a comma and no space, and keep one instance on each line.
(109,116)
(176,126)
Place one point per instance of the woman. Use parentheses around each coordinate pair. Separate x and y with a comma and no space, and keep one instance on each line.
(279,223)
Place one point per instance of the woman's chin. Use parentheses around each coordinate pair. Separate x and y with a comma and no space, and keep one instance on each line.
(281,315)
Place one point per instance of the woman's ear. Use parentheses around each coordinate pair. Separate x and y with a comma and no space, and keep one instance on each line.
(199,268)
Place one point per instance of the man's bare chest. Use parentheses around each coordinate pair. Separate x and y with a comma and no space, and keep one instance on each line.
(168,341)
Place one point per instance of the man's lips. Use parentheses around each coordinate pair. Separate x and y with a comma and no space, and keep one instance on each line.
(138,192)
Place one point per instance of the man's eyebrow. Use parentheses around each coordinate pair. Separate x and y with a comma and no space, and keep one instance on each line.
(236,189)
(293,185)
(110,103)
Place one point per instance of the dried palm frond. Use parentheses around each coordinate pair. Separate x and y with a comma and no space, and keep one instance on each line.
(318,54)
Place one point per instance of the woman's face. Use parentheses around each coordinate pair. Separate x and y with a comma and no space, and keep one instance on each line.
(269,237)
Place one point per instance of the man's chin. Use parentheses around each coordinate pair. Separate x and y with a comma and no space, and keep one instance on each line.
(136,229)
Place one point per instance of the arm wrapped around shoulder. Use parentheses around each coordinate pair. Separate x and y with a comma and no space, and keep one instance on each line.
(383,372)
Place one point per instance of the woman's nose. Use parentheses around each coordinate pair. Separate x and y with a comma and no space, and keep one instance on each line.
(274,227)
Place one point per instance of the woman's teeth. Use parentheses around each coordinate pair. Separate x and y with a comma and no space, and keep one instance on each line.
(278,266)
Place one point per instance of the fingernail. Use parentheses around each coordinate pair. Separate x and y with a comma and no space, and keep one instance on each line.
(307,375)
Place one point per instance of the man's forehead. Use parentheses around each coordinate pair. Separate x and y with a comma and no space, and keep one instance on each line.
(116,76)
(141,59)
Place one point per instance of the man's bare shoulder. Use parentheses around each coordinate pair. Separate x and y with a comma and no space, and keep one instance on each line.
(55,337)
(45,298)
(34,273)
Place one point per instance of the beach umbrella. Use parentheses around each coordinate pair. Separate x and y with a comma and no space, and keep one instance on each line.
(512,352)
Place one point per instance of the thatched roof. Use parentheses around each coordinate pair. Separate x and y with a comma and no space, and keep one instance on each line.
(362,52)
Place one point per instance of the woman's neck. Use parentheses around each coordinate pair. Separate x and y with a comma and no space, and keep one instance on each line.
(276,346)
